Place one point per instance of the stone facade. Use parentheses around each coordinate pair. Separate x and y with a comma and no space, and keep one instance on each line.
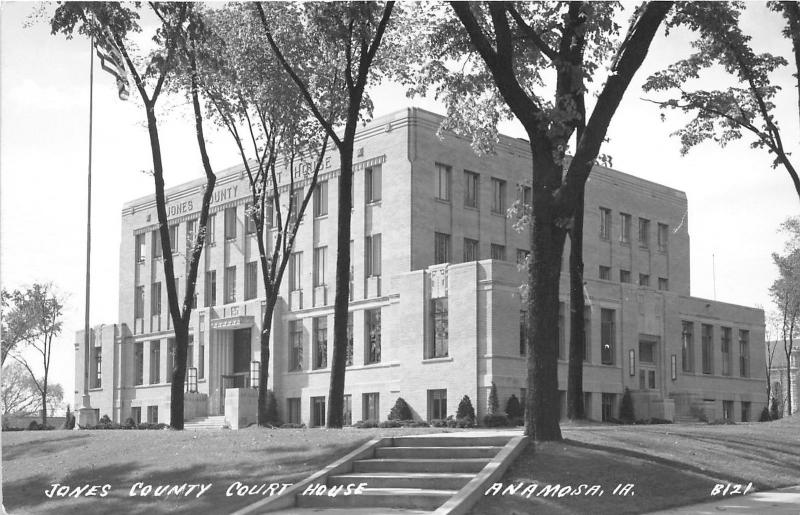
(436,304)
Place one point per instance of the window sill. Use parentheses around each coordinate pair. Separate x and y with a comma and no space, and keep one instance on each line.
(372,203)
(442,200)
(96,389)
(443,359)
(321,217)
(471,208)
(498,213)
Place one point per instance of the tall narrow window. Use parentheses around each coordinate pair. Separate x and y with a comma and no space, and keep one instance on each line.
(230,284)
(170,359)
(321,199)
(173,238)
(440,328)
(663,237)
(605,223)
(525,196)
(294,208)
(250,280)
(211,288)
(138,363)
(625,228)
(317,411)
(725,350)
(744,353)
(442,182)
(470,250)
(498,196)
(441,248)
(373,347)
(370,405)
(296,271)
(523,332)
(138,302)
(211,229)
(320,262)
(140,247)
(687,346)
(269,213)
(249,223)
(498,252)
(347,411)
(230,223)
(437,404)
(608,336)
(321,342)
(707,335)
(155,239)
(191,234)
(155,299)
(372,255)
(97,367)
(471,189)
(293,410)
(372,184)
(562,340)
(201,351)
(644,232)
(349,350)
(295,345)
(190,353)
(155,362)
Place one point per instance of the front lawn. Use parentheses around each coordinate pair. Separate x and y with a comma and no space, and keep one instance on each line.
(669,465)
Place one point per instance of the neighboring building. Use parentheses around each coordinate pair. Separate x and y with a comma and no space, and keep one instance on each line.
(436,310)
(779,389)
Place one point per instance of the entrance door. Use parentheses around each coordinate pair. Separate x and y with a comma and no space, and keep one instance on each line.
(647,365)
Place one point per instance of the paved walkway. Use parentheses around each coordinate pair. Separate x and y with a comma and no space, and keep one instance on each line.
(784,501)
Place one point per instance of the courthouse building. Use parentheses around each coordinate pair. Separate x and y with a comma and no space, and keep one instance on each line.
(435,311)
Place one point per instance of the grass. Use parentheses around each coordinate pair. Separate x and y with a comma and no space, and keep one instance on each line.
(669,465)
(33,461)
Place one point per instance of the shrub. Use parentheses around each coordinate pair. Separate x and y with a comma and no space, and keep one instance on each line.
(130,423)
(390,423)
(774,412)
(105,420)
(656,420)
(626,409)
(465,409)
(69,420)
(34,426)
(401,410)
(494,404)
(764,415)
(272,416)
(414,423)
(495,421)
(438,422)
(291,425)
(366,424)
(513,408)
(721,422)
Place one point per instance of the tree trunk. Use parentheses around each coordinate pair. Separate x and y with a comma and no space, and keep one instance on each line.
(178,376)
(44,404)
(577,339)
(266,331)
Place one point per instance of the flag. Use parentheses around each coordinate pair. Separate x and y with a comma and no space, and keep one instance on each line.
(111,61)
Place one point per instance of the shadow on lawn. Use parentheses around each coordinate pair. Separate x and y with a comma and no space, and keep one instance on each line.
(41,447)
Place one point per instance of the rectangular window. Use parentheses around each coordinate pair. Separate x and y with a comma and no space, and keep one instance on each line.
(371,406)
(608,336)
(707,335)
(745,411)
(523,332)
(727,410)
(173,238)
(249,223)
(372,184)
(644,232)
(349,353)
(211,288)
(317,411)
(744,353)
(663,283)
(155,239)
(138,363)
(136,414)
(155,299)
(644,280)
(498,196)
(625,228)
(441,248)
(687,346)
(140,247)
(230,284)
(587,334)
(442,182)
(440,328)
(250,280)
(498,252)
(321,342)
(170,359)
(437,404)
(373,326)
(293,410)
(320,262)
(347,411)
(470,250)
(152,414)
(294,208)
(725,348)
(138,302)
(562,354)
(624,276)
(522,257)
(525,196)
(295,345)
(296,271)
(201,352)
(663,237)
(647,352)
(605,223)
(155,362)
(605,273)
(211,231)
(471,190)
(191,234)
(372,255)
(190,353)
(230,223)
(608,401)
(269,213)
(321,199)
(97,367)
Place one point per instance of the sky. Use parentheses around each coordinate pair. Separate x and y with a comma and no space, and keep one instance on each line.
(736,201)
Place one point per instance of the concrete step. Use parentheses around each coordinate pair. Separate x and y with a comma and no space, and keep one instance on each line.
(477,451)
(451,441)
(434,480)
(418,465)
(414,498)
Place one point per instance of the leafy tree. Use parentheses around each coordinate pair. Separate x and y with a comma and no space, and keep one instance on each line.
(774,410)
(747,107)
(181,26)
(465,409)
(513,407)
(494,403)
(15,324)
(401,410)
(343,39)
(18,394)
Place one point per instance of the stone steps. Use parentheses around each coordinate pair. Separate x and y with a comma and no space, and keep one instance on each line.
(461,465)
(441,480)
(461,451)
(205,424)
(413,498)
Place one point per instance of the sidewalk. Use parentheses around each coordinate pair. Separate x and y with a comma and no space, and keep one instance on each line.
(783,501)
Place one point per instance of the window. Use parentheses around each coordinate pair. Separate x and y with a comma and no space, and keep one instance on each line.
(347,411)
(745,411)
(608,401)
(250,280)
(707,335)
(230,223)
(725,348)
(349,351)
(439,324)
(625,228)
(320,262)
(437,404)
(470,250)
(373,326)
(230,284)
(441,248)
(269,213)
(663,283)
(498,252)
(155,239)
(605,223)
(663,237)
(136,414)
(201,354)
(727,410)
(295,271)
(97,365)
(372,184)
(294,208)
(190,353)
(155,364)
(442,182)
(317,411)
(173,238)
(744,353)
(644,232)
(607,336)
(138,363)
(624,276)
(211,288)
(321,199)
(155,299)
(370,405)
(152,414)
(644,280)
(211,231)
(587,334)
(471,190)
(372,255)
(140,247)
(191,234)
(523,332)
(138,302)
(498,196)
(295,345)
(525,196)
(647,352)
(687,346)
(293,410)
(522,257)
(321,342)
(249,223)
(170,359)
(605,273)
(561,333)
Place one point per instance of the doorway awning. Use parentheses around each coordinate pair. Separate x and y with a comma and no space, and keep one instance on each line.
(232,323)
